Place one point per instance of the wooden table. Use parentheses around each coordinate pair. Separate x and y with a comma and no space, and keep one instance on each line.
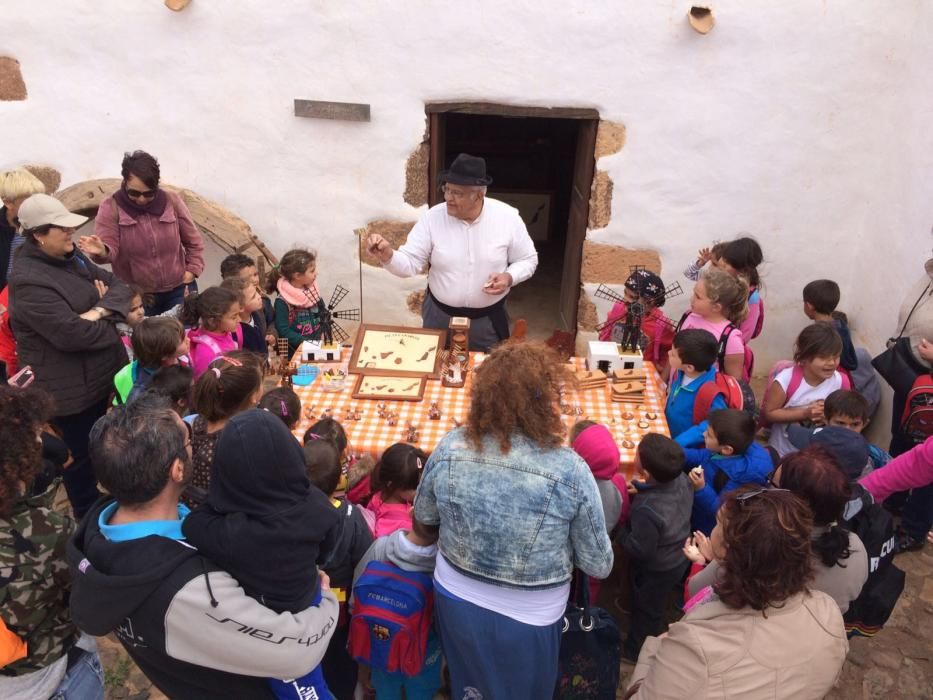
(372,434)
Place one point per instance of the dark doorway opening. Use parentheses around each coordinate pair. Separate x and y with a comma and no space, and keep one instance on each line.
(542,162)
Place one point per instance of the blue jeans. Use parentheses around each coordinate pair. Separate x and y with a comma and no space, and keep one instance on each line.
(163,301)
(84,680)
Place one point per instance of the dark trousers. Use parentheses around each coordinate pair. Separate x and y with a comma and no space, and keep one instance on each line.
(650,591)
(161,302)
(80,482)
(339,667)
(916,505)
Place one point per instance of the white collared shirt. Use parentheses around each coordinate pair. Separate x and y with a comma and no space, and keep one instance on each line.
(462,255)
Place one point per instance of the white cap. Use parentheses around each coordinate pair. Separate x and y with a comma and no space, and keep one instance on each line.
(43,209)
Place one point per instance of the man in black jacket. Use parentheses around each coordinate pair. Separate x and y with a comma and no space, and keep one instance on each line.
(187,624)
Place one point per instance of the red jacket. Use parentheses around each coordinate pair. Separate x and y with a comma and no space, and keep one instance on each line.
(655,326)
(7,341)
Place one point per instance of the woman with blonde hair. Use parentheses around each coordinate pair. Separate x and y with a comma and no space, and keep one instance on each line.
(517,512)
(15,187)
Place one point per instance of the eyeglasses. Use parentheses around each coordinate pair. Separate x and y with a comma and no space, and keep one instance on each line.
(741,498)
(136,194)
(456,194)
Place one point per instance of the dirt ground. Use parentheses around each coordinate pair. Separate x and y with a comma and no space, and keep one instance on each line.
(897,664)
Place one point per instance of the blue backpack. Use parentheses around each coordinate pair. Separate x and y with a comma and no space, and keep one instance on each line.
(391,618)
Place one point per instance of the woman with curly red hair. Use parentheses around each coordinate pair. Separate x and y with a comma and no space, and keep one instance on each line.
(517,512)
(55,660)
(761,632)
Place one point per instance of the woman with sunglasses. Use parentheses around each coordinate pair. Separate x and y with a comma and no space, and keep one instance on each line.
(840,562)
(760,631)
(147,235)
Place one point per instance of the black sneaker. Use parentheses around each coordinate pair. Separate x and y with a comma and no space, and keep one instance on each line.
(905,543)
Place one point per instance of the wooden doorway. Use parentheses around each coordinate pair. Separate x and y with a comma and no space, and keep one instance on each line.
(542,162)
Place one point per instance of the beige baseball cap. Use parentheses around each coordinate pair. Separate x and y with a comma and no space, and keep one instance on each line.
(43,209)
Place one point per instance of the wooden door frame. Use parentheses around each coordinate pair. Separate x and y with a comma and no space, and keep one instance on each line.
(584,170)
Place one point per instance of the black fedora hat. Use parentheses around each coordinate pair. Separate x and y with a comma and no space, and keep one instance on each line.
(466,170)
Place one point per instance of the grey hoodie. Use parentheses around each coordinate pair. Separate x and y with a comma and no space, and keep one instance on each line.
(397,549)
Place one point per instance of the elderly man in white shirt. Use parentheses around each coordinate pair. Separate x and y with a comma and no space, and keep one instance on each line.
(475,248)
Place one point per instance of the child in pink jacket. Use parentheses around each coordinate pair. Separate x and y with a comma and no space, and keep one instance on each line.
(910,470)
(396,479)
(216,313)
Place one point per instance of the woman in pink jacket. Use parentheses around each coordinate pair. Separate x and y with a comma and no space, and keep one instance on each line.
(911,470)
(147,235)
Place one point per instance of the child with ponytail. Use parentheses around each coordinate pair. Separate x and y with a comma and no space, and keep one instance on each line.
(231,384)
(718,305)
(741,258)
(299,307)
(213,315)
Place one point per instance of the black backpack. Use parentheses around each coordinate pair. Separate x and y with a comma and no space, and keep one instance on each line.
(875,527)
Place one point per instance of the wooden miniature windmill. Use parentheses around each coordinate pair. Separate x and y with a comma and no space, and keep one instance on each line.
(627,332)
(331,331)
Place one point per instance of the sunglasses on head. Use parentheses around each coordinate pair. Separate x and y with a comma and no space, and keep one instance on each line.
(741,498)
(148,194)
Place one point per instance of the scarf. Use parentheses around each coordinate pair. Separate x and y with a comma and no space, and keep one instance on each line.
(154,208)
(302,297)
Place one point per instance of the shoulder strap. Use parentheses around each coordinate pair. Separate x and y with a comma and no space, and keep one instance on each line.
(706,394)
(796,377)
(721,349)
(912,309)
(680,323)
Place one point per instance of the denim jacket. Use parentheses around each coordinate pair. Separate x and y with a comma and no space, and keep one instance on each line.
(519,520)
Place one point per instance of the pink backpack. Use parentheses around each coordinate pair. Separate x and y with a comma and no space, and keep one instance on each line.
(796,379)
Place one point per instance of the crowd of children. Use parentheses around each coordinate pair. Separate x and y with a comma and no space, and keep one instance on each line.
(286,517)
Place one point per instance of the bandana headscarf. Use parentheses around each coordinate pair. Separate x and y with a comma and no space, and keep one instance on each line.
(648,285)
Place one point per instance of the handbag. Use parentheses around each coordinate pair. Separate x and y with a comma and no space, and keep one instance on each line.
(590,649)
(896,364)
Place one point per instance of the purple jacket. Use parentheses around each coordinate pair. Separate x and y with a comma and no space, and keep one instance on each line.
(910,470)
(149,251)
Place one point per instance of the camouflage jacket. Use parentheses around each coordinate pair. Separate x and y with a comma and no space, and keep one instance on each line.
(35,582)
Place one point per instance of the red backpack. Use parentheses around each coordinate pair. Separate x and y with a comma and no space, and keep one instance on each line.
(391,618)
(724,384)
(917,418)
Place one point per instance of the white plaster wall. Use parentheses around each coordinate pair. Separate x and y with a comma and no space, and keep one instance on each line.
(805,123)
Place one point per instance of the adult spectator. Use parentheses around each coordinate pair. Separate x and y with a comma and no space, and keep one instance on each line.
(760,634)
(840,562)
(51,659)
(915,322)
(63,309)
(476,249)
(188,625)
(15,187)
(147,235)
(517,511)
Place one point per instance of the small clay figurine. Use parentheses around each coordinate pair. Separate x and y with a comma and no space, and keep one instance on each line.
(392,419)
(651,416)
(309,412)
(412,435)
(628,415)
(434,413)
(381,409)
(628,444)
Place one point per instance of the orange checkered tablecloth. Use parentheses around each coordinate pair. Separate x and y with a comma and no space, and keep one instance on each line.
(372,434)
